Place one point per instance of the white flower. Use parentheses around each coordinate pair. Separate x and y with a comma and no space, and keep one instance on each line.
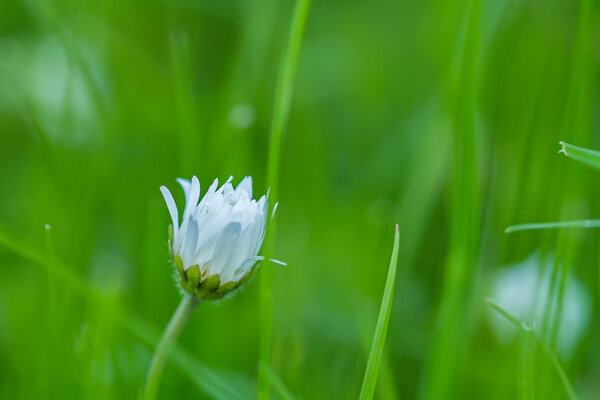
(216,245)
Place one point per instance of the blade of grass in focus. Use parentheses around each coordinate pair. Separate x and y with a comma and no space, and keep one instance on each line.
(220,385)
(583,223)
(526,329)
(55,339)
(281,107)
(52,298)
(370,379)
(586,156)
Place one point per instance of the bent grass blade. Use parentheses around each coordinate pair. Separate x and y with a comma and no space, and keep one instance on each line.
(531,330)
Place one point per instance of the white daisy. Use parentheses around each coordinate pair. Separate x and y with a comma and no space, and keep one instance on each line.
(216,245)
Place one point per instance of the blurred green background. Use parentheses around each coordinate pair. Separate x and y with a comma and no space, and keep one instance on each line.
(442,116)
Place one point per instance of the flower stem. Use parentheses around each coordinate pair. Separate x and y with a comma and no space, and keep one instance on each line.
(178,320)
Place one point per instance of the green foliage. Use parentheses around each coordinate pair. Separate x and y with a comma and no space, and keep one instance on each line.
(443,116)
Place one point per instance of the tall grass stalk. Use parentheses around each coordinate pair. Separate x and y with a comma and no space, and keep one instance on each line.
(527,350)
(370,379)
(187,120)
(52,297)
(281,106)
(452,318)
(54,317)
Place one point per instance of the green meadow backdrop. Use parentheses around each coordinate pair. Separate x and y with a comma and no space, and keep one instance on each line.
(442,116)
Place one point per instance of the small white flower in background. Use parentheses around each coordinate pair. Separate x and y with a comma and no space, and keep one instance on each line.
(522,289)
(215,248)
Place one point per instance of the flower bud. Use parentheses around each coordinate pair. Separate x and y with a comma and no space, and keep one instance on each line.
(215,247)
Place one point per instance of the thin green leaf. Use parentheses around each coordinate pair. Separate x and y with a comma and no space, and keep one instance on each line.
(581,154)
(557,366)
(559,369)
(370,379)
(509,317)
(582,223)
(527,356)
(52,297)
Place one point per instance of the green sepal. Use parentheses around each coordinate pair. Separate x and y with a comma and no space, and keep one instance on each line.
(208,286)
(193,278)
(179,265)
(226,288)
(221,291)
(170,240)
(212,283)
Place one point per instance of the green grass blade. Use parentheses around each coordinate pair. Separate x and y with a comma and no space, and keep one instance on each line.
(582,223)
(559,370)
(455,309)
(508,316)
(527,350)
(370,379)
(581,154)
(555,363)
(526,384)
(52,297)
(283,97)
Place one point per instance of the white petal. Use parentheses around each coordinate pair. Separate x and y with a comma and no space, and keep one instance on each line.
(191,241)
(260,258)
(246,184)
(192,200)
(185,185)
(172,208)
(277,261)
(274,209)
(262,203)
(226,249)
(244,268)
(213,187)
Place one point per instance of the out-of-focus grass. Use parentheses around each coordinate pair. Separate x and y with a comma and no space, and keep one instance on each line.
(528,333)
(442,116)
(281,109)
